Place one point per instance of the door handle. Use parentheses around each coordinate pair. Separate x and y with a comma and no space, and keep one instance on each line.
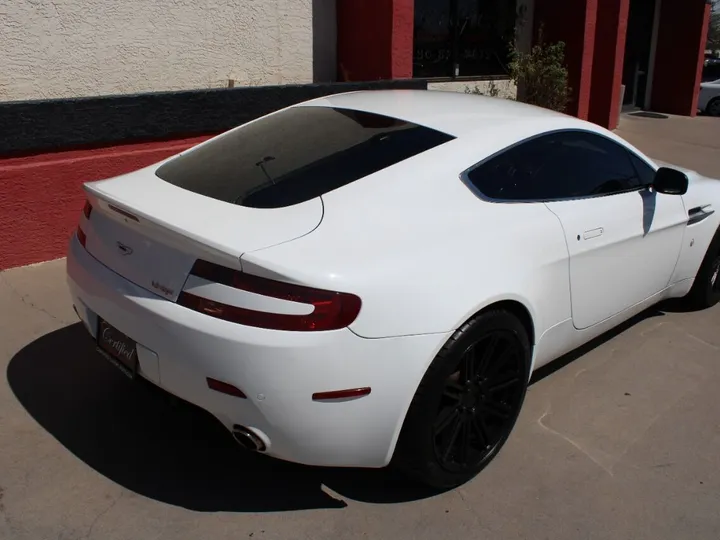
(593,233)
(699,213)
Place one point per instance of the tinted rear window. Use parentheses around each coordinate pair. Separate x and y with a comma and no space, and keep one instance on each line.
(297,155)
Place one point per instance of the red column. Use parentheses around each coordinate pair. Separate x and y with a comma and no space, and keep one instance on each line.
(679,57)
(572,22)
(374,39)
(607,70)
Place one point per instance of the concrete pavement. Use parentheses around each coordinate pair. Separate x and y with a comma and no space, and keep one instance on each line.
(618,440)
(689,142)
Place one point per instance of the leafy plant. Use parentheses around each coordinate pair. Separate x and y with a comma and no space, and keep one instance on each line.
(713,37)
(541,75)
(493,90)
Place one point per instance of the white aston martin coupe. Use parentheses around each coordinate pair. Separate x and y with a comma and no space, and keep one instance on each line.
(372,277)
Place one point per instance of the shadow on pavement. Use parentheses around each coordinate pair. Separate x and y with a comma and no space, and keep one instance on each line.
(173,452)
(655,311)
(168,450)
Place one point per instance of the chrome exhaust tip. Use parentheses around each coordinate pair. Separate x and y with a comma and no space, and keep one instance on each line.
(247,439)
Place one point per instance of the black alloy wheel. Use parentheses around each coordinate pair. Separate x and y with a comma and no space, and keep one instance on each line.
(705,291)
(467,404)
(479,402)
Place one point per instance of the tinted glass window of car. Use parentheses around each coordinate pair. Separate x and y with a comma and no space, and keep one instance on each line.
(296,155)
(645,172)
(557,166)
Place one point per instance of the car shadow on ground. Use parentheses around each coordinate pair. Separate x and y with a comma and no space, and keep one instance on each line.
(166,449)
(173,452)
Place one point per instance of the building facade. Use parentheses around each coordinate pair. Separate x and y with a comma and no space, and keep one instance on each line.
(644,54)
(90,89)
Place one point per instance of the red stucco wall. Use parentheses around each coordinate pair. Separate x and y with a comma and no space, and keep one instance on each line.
(680,54)
(41,196)
(612,22)
(374,39)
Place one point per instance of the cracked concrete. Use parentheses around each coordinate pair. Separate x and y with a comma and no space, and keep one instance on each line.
(621,441)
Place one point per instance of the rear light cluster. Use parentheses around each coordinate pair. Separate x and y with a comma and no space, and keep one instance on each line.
(332,310)
(87,210)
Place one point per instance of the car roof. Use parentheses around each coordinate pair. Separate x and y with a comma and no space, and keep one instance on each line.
(454,113)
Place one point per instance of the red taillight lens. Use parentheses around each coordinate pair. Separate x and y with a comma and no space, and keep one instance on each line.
(332,310)
(87,209)
(81,237)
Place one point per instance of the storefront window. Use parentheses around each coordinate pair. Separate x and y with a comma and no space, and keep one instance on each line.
(462,38)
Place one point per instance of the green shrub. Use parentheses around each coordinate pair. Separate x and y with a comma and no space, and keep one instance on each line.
(541,75)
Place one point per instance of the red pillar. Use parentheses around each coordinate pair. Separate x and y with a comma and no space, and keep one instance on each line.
(375,39)
(679,57)
(572,22)
(607,70)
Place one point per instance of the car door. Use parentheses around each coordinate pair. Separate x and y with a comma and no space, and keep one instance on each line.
(623,238)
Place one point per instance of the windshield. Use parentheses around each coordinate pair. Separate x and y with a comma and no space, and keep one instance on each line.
(296,155)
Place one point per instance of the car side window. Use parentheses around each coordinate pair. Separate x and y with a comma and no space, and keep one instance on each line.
(563,165)
(646,173)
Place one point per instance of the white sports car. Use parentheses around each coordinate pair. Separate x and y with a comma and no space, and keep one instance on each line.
(372,277)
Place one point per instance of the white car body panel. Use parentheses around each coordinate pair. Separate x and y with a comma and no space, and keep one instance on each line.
(623,249)
(708,92)
(421,248)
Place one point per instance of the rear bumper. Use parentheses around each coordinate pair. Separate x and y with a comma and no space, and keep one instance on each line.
(278,371)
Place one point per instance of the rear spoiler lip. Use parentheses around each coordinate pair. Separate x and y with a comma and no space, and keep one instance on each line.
(205,244)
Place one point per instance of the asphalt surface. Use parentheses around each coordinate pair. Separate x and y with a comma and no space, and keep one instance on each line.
(620,439)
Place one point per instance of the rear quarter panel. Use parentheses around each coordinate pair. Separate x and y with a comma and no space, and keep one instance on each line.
(424,253)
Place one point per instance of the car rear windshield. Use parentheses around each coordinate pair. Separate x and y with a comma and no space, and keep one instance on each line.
(296,155)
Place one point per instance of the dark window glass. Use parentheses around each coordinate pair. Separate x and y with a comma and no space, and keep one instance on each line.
(460,38)
(557,166)
(296,155)
(645,172)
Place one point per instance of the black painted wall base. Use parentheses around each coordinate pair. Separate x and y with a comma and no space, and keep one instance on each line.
(58,124)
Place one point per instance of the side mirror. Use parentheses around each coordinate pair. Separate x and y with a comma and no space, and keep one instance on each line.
(670,181)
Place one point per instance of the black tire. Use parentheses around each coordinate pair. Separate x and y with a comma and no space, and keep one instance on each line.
(705,291)
(713,108)
(453,428)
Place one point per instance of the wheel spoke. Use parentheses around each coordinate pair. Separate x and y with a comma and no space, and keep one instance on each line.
(481,431)
(497,409)
(488,353)
(444,420)
(453,391)
(498,362)
(469,366)
(509,380)
(453,438)
(464,442)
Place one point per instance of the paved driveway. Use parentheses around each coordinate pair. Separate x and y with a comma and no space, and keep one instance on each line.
(618,440)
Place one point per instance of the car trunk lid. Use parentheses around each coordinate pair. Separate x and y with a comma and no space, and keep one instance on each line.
(151,232)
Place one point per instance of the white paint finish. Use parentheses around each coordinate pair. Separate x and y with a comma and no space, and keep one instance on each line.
(285,367)
(68,48)
(188,223)
(423,252)
(623,249)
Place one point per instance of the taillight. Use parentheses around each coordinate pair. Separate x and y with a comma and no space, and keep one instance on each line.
(331,310)
(87,209)
(81,237)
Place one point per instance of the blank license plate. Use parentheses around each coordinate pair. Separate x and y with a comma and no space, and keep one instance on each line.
(118,348)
